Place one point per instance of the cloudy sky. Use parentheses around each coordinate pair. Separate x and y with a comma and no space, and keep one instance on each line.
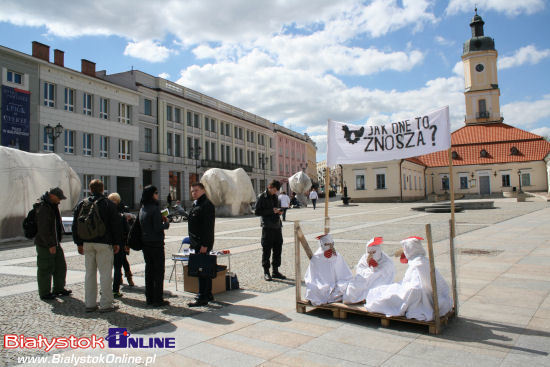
(298,62)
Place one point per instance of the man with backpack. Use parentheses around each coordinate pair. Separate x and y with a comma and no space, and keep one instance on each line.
(50,257)
(97,231)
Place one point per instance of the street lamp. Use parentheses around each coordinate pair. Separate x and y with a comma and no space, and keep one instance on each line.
(519,179)
(263,161)
(196,153)
(54,132)
(433,186)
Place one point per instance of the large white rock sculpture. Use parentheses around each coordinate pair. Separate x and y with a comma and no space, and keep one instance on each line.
(24,177)
(231,192)
(300,183)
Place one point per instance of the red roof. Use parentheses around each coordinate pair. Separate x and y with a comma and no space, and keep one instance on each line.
(496,139)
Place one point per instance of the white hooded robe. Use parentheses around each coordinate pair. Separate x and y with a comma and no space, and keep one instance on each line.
(326,279)
(412,297)
(367,277)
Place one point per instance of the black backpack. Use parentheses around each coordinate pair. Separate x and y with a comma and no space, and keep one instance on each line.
(135,239)
(30,229)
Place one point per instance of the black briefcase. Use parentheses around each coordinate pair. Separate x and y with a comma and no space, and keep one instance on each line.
(202,265)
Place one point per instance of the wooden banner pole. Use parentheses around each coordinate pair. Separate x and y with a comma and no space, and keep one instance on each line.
(327,194)
(452,232)
(432,276)
(297,270)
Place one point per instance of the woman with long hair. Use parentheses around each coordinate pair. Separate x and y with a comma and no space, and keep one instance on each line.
(153,225)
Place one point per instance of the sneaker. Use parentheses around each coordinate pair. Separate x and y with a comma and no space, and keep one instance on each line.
(47,297)
(117,294)
(63,292)
(278,275)
(91,309)
(199,302)
(109,309)
(268,277)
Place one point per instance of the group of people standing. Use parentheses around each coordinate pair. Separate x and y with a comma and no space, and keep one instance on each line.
(104,245)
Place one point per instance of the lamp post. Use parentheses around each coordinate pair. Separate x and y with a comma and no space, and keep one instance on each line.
(519,179)
(196,154)
(54,132)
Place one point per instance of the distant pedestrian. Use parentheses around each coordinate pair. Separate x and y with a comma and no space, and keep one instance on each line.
(97,231)
(284,203)
(50,258)
(202,218)
(313,196)
(153,225)
(120,260)
(169,200)
(272,236)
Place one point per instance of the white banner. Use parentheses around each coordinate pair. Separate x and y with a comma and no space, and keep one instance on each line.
(348,144)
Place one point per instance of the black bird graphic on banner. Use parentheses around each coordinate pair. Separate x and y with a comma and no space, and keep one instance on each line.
(357,134)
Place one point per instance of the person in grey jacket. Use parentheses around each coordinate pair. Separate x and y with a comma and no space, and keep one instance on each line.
(153,225)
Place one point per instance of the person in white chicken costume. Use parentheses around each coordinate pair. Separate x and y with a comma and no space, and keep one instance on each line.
(327,275)
(373,269)
(412,297)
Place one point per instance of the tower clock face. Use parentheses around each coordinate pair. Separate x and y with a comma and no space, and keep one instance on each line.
(479,67)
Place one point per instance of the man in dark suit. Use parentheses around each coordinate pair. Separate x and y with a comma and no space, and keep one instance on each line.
(201,233)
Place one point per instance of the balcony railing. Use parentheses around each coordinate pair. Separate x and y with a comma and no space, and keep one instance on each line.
(483,115)
(206,163)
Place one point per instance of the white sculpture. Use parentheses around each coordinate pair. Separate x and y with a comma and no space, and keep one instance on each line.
(300,183)
(27,176)
(231,192)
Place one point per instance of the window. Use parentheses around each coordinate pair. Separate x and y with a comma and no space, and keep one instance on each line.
(177,145)
(213,125)
(505,180)
(410,182)
(236,132)
(271,163)
(207,150)
(148,140)
(49,94)
(445,183)
(222,128)
(169,113)
(241,155)
(206,123)
(124,149)
(69,99)
(404,182)
(213,150)
(15,77)
(222,152)
(236,155)
(169,143)
(196,146)
(177,115)
(227,129)
(380,181)
(463,182)
(105,180)
(103,147)
(415,182)
(241,133)
(252,135)
(360,181)
(482,107)
(86,179)
(196,121)
(228,153)
(252,160)
(48,142)
(147,104)
(280,167)
(87,104)
(69,141)
(189,146)
(525,179)
(189,122)
(87,143)
(271,142)
(123,113)
(103,108)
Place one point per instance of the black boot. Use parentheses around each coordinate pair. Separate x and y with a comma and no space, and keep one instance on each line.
(267,276)
(277,275)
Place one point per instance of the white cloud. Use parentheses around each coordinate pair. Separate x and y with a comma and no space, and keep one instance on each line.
(148,50)
(526,113)
(443,41)
(525,55)
(542,131)
(509,7)
(164,75)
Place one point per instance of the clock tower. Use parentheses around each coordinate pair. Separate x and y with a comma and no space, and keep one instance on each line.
(480,76)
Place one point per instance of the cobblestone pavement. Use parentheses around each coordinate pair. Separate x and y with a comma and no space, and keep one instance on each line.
(22,312)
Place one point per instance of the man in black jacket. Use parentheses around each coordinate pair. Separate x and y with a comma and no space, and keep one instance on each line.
(50,257)
(272,235)
(99,251)
(201,233)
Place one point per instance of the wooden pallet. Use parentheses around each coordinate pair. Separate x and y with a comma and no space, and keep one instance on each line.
(341,310)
